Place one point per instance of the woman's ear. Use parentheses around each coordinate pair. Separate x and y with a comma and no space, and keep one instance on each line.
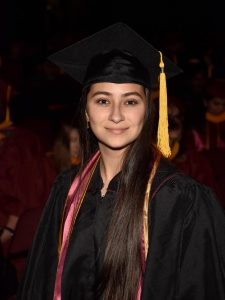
(87,119)
(86,115)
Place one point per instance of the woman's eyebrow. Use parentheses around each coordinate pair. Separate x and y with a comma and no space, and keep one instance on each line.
(124,94)
(132,94)
(101,93)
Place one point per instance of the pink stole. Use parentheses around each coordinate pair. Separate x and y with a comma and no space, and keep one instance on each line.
(73,203)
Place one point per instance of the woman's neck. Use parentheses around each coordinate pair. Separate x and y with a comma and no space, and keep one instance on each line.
(110,163)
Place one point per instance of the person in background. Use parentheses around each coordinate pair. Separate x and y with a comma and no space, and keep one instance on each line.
(191,90)
(190,161)
(74,144)
(66,147)
(6,128)
(125,224)
(24,182)
(209,136)
(211,133)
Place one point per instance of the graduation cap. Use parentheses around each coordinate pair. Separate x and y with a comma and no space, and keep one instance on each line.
(119,54)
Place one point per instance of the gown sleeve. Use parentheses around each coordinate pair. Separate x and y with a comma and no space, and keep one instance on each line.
(201,268)
(186,257)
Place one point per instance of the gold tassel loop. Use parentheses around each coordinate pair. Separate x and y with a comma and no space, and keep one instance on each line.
(163,133)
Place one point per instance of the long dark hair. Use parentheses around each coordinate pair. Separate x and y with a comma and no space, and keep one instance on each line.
(121,268)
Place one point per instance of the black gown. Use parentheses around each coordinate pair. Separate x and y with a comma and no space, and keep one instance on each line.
(186,257)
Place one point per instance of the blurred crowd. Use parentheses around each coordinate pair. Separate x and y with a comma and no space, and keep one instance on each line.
(39,132)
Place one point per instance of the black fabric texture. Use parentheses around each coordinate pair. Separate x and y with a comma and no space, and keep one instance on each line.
(186,257)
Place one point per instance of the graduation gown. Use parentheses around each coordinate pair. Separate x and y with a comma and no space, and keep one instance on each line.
(214,154)
(196,165)
(26,176)
(186,257)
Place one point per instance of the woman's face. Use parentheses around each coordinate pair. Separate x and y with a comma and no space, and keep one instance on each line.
(116,113)
(216,106)
(74,143)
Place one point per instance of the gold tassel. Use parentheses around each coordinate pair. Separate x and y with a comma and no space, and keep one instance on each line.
(163,133)
(146,202)
(174,150)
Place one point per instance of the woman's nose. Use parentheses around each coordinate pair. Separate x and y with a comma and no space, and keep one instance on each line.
(116,114)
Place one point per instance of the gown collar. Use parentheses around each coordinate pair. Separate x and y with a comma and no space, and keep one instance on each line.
(96,183)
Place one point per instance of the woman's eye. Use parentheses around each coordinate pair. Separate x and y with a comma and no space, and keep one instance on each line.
(102,101)
(132,102)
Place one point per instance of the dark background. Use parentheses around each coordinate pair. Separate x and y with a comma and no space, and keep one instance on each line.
(39,19)
(182,30)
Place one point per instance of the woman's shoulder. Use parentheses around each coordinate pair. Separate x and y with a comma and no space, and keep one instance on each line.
(172,183)
(168,173)
(65,178)
(62,185)
(180,198)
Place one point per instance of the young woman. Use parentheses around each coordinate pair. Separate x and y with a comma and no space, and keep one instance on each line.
(209,137)
(126,225)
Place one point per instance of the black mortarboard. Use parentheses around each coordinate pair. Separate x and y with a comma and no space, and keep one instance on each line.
(118,54)
(75,59)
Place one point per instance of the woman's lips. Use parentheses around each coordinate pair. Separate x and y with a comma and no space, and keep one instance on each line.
(116,130)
